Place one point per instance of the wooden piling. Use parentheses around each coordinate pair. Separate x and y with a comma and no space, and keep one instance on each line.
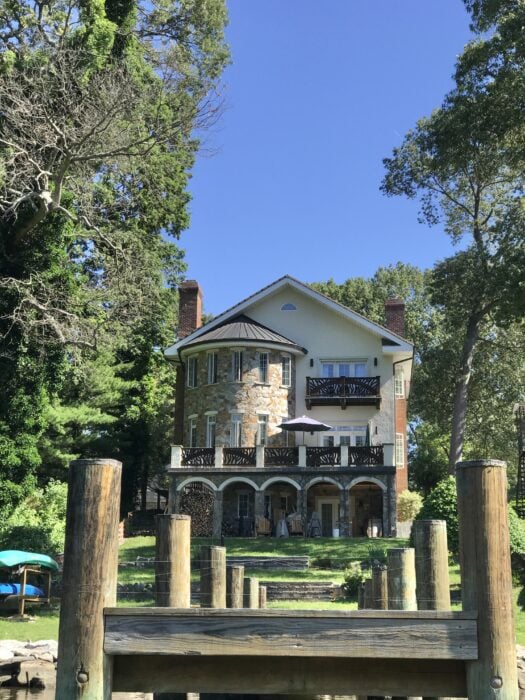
(262,596)
(401,579)
(367,597)
(251,592)
(89,581)
(361,596)
(172,561)
(379,588)
(486,580)
(234,586)
(432,579)
(213,577)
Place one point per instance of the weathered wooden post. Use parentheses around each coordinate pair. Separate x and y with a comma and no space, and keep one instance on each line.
(432,579)
(173,561)
(379,587)
(173,570)
(262,596)
(89,581)
(251,592)
(367,596)
(213,577)
(401,574)
(486,580)
(234,586)
(401,579)
(361,596)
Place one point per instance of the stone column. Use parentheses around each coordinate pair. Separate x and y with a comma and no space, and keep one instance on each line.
(258,506)
(217,514)
(389,507)
(301,507)
(343,512)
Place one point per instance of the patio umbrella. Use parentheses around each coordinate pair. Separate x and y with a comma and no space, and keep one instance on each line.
(304,424)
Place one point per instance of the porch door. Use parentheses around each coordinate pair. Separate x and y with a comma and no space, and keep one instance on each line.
(328,508)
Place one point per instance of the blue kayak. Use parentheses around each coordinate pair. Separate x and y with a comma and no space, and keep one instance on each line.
(15,588)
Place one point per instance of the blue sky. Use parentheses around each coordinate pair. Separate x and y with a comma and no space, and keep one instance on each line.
(317,95)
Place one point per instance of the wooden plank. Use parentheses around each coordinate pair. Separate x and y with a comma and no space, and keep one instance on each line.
(241,633)
(325,676)
(303,614)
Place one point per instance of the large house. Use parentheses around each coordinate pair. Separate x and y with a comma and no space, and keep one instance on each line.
(284,352)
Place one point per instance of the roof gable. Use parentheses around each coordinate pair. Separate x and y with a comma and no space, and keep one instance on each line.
(390,339)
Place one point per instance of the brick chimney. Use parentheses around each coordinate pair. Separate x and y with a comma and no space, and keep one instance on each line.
(190,308)
(395,316)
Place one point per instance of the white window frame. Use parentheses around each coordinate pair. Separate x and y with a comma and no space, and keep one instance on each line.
(237,365)
(212,362)
(262,428)
(399,383)
(211,435)
(264,367)
(400,450)
(236,429)
(192,431)
(192,368)
(286,370)
(336,365)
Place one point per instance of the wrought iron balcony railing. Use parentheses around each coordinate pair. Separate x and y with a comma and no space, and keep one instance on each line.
(342,391)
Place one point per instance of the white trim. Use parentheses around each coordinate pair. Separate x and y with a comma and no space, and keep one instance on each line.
(240,479)
(366,479)
(210,413)
(196,479)
(402,345)
(242,411)
(262,413)
(322,479)
(275,479)
(193,415)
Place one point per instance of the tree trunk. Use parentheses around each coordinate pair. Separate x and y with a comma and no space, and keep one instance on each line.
(459,413)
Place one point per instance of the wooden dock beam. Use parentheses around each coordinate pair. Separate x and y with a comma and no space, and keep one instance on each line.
(173,561)
(89,580)
(486,580)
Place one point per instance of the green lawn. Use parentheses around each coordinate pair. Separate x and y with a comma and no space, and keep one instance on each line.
(333,553)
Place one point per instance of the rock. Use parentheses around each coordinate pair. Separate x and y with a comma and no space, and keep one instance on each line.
(36,674)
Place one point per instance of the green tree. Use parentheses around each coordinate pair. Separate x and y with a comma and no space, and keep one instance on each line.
(461,171)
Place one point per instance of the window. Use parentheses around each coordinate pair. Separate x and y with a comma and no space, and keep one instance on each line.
(360,440)
(243,505)
(212,368)
(236,430)
(400,450)
(344,368)
(192,372)
(193,431)
(211,422)
(328,440)
(237,363)
(267,506)
(289,307)
(286,370)
(263,367)
(262,429)
(399,382)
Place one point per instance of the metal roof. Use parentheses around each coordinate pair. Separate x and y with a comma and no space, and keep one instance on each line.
(242,328)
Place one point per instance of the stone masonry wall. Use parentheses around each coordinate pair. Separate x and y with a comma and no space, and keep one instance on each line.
(248,397)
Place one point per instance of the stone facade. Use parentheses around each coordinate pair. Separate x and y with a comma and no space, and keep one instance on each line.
(248,397)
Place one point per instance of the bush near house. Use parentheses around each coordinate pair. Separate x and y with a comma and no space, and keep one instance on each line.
(409,503)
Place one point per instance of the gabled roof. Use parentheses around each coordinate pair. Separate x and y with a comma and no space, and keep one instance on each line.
(244,329)
(392,341)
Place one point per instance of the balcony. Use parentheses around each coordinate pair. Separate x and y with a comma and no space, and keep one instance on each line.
(302,456)
(342,391)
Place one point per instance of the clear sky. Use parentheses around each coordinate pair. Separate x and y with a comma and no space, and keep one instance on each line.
(318,93)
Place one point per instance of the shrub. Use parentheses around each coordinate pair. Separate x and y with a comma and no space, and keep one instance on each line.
(516,532)
(409,504)
(353,578)
(377,553)
(441,504)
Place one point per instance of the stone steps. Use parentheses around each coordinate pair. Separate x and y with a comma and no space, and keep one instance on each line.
(249,562)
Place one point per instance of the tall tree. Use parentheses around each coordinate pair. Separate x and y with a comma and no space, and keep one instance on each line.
(460,168)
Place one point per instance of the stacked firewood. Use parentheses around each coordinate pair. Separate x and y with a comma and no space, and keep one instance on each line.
(197,501)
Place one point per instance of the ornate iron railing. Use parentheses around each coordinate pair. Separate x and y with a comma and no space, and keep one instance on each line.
(334,390)
(239,456)
(323,456)
(198,456)
(281,456)
(365,455)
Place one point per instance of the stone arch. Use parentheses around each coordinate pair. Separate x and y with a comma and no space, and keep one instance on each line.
(286,479)
(323,479)
(367,479)
(241,479)
(196,479)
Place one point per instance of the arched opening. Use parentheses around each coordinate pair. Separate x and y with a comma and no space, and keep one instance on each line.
(323,501)
(196,500)
(366,510)
(281,511)
(238,509)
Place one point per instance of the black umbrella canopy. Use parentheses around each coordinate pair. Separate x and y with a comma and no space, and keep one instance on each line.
(305,424)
